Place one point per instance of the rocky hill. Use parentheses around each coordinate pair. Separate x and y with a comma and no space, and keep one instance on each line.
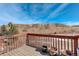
(47,28)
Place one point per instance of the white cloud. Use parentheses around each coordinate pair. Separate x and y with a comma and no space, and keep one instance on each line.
(5,18)
(56,12)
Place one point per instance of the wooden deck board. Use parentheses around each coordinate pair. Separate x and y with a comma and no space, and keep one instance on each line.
(23,51)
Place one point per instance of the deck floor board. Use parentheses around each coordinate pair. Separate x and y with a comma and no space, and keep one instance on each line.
(23,51)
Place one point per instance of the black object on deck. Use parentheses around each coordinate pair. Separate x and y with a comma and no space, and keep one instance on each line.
(44,49)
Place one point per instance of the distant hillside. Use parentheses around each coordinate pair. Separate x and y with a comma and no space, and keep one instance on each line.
(41,28)
(40,25)
(47,28)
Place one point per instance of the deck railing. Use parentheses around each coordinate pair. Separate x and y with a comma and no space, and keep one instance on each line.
(8,43)
(65,42)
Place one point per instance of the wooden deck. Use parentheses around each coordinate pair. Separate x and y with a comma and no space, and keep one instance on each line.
(23,51)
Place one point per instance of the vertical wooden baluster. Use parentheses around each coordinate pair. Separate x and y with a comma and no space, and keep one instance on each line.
(20,40)
(41,41)
(23,39)
(29,43)
(72,45)
(37,37)
(14,42)
(36,40)
(27,39)
(58,44)
(61,43)
(67,44)
(7,46)
(53,42)
(32,40)
(35,43)
(46,41)
(17,40)
(50,42)
(10,43)
(64,44)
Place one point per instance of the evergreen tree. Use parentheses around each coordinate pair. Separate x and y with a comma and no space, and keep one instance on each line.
(3,30)
(12,29)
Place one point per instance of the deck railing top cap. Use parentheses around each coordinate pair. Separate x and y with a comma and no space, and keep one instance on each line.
(59,35)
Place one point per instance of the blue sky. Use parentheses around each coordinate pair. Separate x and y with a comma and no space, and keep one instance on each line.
(39,13)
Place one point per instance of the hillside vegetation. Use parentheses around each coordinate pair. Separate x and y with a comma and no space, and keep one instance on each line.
(47,28)
(11,29)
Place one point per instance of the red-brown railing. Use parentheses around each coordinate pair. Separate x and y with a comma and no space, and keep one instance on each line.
(59,41)
(66,42)
(8,43)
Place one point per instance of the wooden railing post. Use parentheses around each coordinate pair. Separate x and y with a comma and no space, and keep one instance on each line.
(27,40)
(75,46)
